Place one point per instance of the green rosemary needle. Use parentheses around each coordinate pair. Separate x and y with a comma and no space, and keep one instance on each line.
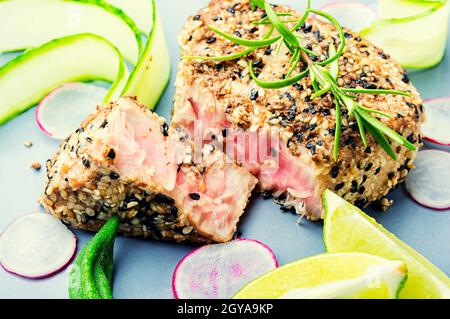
(323,74)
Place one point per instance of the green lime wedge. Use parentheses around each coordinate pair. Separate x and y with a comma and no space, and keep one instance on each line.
(414,32)
(346,228)
(327,276)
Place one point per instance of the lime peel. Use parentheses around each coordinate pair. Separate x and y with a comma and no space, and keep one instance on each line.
(349,275)
(346,228)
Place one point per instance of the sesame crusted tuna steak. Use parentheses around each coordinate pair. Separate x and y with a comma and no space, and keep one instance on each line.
(124,161)
(221,95)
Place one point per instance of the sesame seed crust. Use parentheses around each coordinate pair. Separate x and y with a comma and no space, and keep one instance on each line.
(84,192)
(361,174)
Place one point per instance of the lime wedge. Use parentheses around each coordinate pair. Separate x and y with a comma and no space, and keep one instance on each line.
(342,275)
(346,228)
(414,32)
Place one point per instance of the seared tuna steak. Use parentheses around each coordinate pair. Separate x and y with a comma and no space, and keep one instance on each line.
(222,94)
(124,161)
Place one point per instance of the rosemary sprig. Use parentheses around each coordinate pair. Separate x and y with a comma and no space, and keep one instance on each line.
(323,74)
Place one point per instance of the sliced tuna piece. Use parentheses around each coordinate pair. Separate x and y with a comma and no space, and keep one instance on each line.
(214,95)
(124,161)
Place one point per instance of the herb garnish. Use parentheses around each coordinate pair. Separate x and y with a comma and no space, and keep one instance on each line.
(323,74)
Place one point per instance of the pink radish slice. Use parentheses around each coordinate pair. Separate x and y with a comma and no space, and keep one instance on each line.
(62,111)
(220,271)
(36,246)
(352,15)
(429,182)
(436,128)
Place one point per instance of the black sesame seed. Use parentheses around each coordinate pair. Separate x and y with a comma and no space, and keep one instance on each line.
(163,199)
(312,110)
(237,33)
(292,113)
(194,196)
(377,171)
(339,186)
(332,131)
(306,28)
(104,124)
(173,210)
(316,34)
(237,234)
(86,162)
(310,145)
(253,30)
(264,15)
(411,138)
(354,127)
(111,154)
(282,197)
(299,136)
(405,78)
(268,51)
(368,150)
(197,17)
(325,112)
(231,10)
(287,209)
(165,129)
(383,56)
(370,86)
(217,18)
(224,132)
(364,179)
(368,167)
(354,187)
(334,171)
(360,202)
(219,66)
(211,40)
(391,175)
(266,195)
(314,58)
(348,35)
(258,64)
(297,86)
(254,94)
(114,175)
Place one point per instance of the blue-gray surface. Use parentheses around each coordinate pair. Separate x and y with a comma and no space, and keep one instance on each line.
(144,268)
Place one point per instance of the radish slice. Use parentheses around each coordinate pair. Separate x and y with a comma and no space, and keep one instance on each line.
(436,128)
(429,183)
(62,111)
(36,246)
(219,271)
(355,16)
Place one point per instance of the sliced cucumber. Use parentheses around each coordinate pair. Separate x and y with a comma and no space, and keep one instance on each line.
(25,80)
(138,10)
(413,31)
(152,73)
(29,23)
